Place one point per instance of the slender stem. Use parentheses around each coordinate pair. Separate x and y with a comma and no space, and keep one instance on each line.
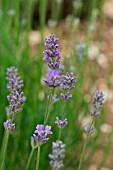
(63,114)
(60,131)
(47,108)
(38,158)
(83,152)
(4,148)
(29,159)
(64,110)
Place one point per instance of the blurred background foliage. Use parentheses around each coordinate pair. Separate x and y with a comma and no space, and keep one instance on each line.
(23,27)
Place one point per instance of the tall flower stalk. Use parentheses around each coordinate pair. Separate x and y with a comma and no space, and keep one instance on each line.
(16,100)
(89,129)
(66,83)
(52,56)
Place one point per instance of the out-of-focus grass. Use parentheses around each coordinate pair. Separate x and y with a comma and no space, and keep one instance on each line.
(15,26)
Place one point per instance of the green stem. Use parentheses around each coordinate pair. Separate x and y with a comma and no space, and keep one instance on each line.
(38,158)
(83,152)
(47,108)
(4,148)
(64,110)
(29,160)
(60,131)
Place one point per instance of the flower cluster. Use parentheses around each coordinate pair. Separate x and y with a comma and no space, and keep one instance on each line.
(52,56)
(97,103)
(54,98)
(40,135)
(67,84)
(60,123)
(58,150)
(89,129)
(16,98)
(16,101)
(8,125)
(15,83)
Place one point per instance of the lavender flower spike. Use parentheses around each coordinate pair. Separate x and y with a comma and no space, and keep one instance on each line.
(97,103)
(52,54)
(58,150)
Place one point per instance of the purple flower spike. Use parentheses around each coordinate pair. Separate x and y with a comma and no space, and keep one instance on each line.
(47,130)
(98,100)
(40,135)
(52,54)
(58,150)
(60,123)
(8,125)
(16,97)
(97,103)
(68,81)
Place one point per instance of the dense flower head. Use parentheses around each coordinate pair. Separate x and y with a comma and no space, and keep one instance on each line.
(16,98)
(16,101)
(52,54)
(58,150)
(11,71)
(68,81)
(15,84)
(60,123)
(98,99)
(40,134)
(8,125)
(97,103)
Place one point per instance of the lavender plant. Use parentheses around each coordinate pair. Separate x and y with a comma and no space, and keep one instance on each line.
(97,104)
(16,100)
(52,56)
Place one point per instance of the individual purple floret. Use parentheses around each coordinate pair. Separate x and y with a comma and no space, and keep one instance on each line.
(54,98)
(40,134)
(52,54)
(60,123)
(89,129)
(8,125)
(58,153)
(53,74)
(98,100)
